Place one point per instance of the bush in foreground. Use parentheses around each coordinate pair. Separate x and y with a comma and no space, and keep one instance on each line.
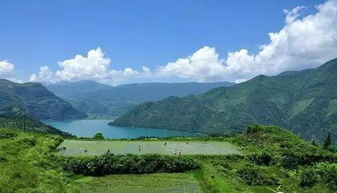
(325,173)
(128,164)
(255,176)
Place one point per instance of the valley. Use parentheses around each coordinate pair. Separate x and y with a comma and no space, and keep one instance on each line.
(179,96)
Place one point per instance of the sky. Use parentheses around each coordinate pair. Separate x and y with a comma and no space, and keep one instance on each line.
(125,41)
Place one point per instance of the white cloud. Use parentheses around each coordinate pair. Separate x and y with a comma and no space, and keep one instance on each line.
(6,69)
(303,42)
(45,75)
(94,66)
(203,65)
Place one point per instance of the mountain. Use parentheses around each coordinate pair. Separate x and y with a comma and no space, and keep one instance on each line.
(36,99)
(304,102)
(28,124)
(99,99)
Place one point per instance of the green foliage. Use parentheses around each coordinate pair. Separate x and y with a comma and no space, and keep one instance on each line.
(27,124)
(101,100)
(255,176)
(98,136)
(308,177)
(304,102)
(128,164)
(260,159)
(324,173)
(34,98)
(327,141)
(149,183)
(27,165)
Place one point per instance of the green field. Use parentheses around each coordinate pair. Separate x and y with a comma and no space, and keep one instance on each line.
(150,183)
(77,147)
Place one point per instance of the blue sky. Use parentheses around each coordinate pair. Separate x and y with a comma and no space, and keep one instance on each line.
(133,34)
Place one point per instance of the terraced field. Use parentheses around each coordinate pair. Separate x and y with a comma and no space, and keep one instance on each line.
(79,147)
(150,183)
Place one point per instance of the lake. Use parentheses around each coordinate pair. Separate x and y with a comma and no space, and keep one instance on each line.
(88,128)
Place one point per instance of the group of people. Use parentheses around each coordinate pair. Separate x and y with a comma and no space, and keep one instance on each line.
(62,148)
(180,152)
(176,152)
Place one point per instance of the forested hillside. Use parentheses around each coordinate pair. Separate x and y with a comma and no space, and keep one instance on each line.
(99,99)
(36,100)
(304,102)
(28,124)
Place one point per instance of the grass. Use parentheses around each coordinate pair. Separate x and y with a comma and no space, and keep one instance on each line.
(151,183)
(77,147)
(28,164)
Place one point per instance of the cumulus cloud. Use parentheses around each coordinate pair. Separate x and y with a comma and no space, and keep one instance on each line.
(94,66)
(302,43)
(305,41)
(6,69)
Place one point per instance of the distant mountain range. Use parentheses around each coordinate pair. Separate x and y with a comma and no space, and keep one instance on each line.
(104,100)
(34,100)
(304,102)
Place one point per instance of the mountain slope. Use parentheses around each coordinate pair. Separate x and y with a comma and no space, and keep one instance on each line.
(36,99)
(28,124)
(304,102)
(100,99)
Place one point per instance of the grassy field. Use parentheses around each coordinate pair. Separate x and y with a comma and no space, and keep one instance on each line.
(76,147)
(152,183)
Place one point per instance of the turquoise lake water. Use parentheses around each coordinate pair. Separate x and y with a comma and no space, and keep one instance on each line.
(88,128)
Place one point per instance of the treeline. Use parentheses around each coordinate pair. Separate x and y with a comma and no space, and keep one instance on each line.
(128,164)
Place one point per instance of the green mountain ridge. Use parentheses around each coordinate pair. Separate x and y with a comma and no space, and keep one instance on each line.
(304,102)
(99,99)
(34,98)
(28,124)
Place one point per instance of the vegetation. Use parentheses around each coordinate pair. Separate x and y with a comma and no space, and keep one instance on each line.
(150,183)
(304,102)
(34,99)
(327,141)
(271,156)
(28,124)
(128,164)
(98,136)
(27,164)
(100,100)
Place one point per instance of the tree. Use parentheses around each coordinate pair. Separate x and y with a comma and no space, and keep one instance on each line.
(98,136)
(327,141)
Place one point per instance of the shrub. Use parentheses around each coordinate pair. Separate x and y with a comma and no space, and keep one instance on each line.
(128,164)
(324,173)
(328,174)
(5,134)
(98,136)
(256,177)
(252,129)
(260,159)
(293,160)
(308,178)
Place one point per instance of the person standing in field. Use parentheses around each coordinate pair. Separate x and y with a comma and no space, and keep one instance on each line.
(139,149)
